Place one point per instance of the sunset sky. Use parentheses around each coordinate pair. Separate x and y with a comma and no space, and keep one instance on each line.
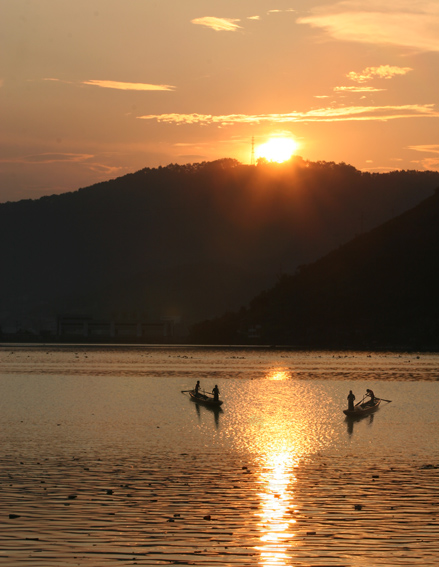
(93,89)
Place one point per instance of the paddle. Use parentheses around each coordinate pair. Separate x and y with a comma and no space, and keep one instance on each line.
(383,400)
(360,402)
(186,391)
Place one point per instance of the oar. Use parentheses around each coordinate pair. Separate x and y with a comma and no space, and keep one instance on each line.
(383,400)
(185,391)
(360,402)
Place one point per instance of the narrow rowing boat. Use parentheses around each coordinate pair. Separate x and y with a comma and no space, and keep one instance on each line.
(205,399)
(363,408)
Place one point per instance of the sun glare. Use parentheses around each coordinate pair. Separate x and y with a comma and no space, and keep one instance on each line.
(277,149)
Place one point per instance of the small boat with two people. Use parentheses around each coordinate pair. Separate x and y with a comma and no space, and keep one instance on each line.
(203,397)
(363,407)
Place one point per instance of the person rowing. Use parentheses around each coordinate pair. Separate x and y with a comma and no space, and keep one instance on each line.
(371,395)
(197,388)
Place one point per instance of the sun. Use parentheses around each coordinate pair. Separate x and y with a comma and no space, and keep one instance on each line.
(277,149)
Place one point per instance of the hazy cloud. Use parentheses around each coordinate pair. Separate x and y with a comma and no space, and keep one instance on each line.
(192,157)
(431,164)
(352,113)
(119,85)
(128,86)
(57,80)
(382,72)
(280,11)
(49,158)
(86,161)
(358,89)
(217,24)
(400,22)
(380,169)
(432,149)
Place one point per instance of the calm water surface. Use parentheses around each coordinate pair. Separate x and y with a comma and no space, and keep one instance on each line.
(105,461)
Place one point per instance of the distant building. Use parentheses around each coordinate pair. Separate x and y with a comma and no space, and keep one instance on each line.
(36,326)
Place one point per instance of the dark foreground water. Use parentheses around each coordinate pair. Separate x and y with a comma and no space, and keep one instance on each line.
(105,462)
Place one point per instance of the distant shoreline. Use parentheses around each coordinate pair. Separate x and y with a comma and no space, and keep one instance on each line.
(187,345)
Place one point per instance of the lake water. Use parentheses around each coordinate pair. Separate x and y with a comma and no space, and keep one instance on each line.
(106,462)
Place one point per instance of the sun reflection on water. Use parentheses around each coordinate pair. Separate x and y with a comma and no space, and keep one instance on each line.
(278,375)
(277,506)
(279,420)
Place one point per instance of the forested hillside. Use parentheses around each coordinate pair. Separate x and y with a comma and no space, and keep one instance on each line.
(190,241)
(380,290)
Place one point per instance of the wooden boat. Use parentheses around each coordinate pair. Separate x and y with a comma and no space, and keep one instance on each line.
(205,399)
(363,408)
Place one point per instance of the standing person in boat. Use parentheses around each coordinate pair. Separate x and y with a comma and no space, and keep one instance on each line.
(351,399)
(197,388)
(215,393)
(371,395)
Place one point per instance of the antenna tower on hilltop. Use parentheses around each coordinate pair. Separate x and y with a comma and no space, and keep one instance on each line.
(252,161)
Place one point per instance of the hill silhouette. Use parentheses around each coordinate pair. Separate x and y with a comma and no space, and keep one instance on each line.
(189,241)
(380,290)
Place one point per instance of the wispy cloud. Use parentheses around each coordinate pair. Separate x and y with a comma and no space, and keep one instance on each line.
(217,24)
(400,22)
(280,11)
(330,114)
(49,158)
(358,89)
(120,85)
(54,80)
(381,72)
(431,164)
(432,148)
(88,161)
(428,162)
(381,168)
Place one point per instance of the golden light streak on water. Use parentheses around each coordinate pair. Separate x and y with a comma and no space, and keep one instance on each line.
(287,431)
(278,375)
(278,416)
(277,505)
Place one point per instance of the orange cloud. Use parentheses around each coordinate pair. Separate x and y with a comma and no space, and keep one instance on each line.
(119,85)
(382,72)
(400,22)
(358,89)
(87,161)
(280,11)
(352,113)
(433,148)
(217,24)
(49,158)
(57,80)
(431,164)
(127,86)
